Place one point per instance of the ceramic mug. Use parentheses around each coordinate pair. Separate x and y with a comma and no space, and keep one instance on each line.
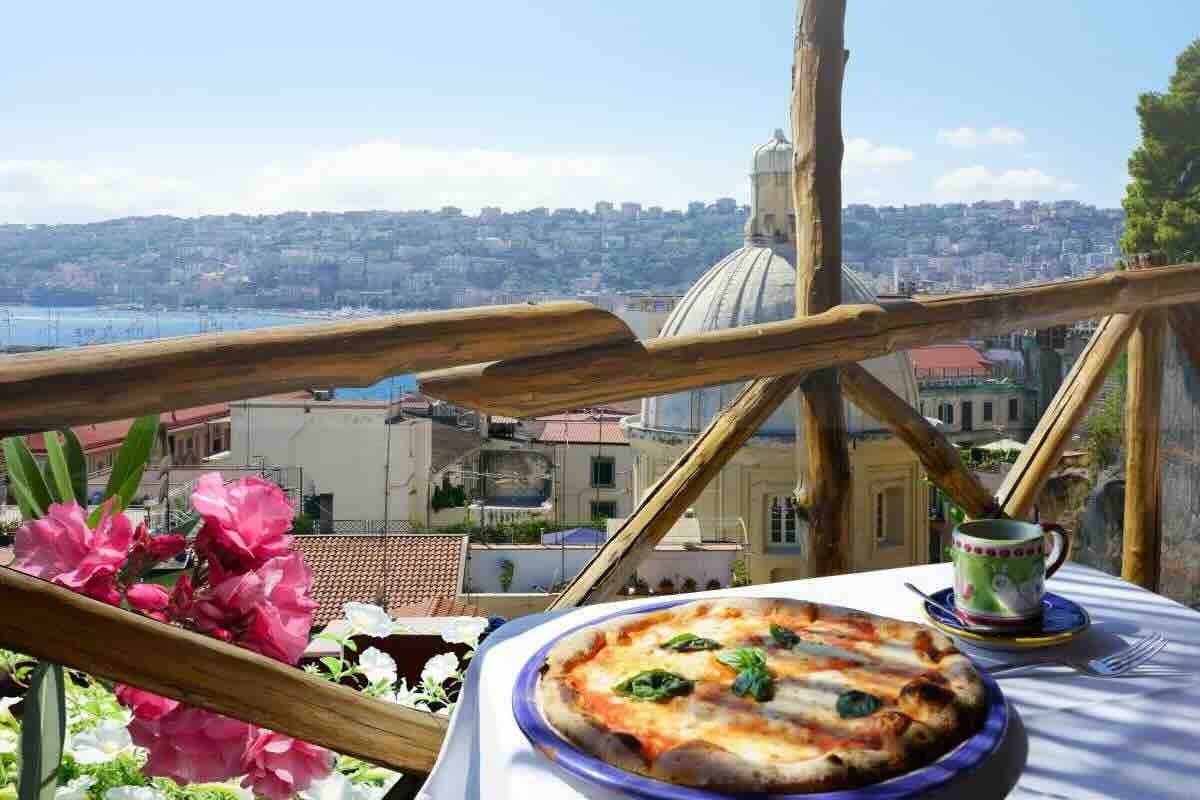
(1001,567)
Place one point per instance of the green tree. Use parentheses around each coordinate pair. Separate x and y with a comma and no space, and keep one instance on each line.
(1162,204)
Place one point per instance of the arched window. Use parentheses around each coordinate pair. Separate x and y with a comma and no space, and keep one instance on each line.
(784,526)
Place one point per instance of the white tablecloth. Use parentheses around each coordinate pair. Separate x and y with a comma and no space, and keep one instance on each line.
(1073,737)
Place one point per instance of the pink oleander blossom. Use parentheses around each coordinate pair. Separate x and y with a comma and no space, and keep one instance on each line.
(148,597)
(143,704)
(279,766)
(61,548)
(268,610)
(190,745)
(152,549)
(245,523)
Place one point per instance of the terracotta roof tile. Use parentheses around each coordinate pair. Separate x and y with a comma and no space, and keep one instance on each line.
(949,360)
(438,607)
(411,568)
(582,432)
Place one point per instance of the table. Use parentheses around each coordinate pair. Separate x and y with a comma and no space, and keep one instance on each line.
(1074,737)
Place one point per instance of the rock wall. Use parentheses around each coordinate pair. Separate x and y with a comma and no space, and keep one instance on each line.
(1180,445)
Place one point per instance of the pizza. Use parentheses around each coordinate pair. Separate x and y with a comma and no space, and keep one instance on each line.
(761,695)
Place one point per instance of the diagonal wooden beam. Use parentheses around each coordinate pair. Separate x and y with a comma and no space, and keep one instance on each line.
(679,488)
(1185,324)
(1041,454)
(55,624)
(60,388)
(941,459)
(1142,543)
(820,57)
(848,333)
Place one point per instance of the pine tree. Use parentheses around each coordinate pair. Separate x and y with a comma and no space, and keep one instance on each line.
(1162,204)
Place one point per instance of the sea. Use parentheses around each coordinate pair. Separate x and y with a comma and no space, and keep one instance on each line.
(80,326)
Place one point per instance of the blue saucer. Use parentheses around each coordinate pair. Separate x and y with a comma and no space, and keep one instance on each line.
(1062,620)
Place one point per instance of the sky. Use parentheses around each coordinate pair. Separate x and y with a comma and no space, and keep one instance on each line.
(131,108)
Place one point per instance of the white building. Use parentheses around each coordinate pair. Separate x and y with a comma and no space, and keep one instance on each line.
(361,465)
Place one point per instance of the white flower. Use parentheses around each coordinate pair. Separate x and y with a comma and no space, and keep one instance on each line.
(378,666)
(134,793)
(102,743)
(9,739)
(336,786)
(6,703)
(465,631)
(367,619)
(439,668)
(409,698)
(75,789)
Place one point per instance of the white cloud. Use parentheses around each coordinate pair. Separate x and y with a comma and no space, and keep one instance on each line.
(968,137)
(372,175)
(980,183)
(862,155)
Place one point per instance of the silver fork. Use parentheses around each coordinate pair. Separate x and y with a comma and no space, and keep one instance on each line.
(1110,666)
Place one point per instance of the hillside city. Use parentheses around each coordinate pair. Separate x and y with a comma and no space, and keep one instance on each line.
(445,258)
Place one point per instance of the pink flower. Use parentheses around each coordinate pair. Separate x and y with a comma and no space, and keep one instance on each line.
(153,549)
(147,597)
(61,548)
(183,597)
(268,610)
(245,523)
(279,766)
(190,745)
(143,704)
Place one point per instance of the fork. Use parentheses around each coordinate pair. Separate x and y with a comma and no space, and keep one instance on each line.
(1110,666)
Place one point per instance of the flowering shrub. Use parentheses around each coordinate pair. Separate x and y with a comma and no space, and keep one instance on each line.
(245,585)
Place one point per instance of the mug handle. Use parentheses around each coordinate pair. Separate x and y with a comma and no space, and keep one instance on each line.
(1062,547)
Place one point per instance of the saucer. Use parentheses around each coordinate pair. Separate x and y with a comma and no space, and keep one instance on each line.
(1062,620)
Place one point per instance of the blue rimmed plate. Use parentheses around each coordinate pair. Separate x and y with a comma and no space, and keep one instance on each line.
(953,765)
(1062,621)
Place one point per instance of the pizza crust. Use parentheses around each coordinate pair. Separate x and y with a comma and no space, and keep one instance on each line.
(931,712)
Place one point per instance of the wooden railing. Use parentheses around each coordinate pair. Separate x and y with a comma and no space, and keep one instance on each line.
(523,360)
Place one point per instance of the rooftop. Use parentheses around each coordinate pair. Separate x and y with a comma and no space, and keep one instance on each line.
(949,359)
(409,568)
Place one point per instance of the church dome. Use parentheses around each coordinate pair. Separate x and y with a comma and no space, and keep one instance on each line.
(774,157)
(750,286)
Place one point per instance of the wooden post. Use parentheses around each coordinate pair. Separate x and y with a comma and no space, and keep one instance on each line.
(940,458)
(56,624)
(665,503)
(1143,470)
(1185,324)
(541,385)
(1039,458)
(820,58)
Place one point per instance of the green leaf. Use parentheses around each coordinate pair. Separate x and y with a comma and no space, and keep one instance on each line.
(351,646)
(654,684)
(334,665)
(744,658)
(43,731)
(784,637)
(132,458)
(853,703)
(28,484)
(755,682)
(58,479)
(689,643)
(76,465)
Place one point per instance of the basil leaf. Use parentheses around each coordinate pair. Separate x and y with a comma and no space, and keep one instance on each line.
(854,703)
(654,684)
(744,658)
(689,643)
(784,637)
(755,682)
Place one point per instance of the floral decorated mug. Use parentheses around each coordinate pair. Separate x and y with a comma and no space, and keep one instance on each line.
(1001,567)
